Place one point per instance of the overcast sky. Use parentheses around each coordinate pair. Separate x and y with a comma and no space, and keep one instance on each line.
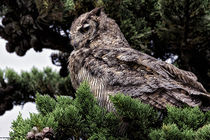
(25,63)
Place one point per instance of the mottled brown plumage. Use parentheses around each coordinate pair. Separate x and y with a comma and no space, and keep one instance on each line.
(103,57)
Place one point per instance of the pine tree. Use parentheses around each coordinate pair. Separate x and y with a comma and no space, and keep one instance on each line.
(17,89)
(83,118)
(137,19)
(185,32)
(162,28)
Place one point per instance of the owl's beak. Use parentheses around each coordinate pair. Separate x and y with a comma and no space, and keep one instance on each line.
(73,44)
(71,41)
(70,36)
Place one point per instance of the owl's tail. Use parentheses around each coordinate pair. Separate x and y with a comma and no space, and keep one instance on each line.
(205,98)
(163,98)
(202,100)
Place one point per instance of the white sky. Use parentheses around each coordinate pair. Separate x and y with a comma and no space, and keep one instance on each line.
(31,59)
(26,62)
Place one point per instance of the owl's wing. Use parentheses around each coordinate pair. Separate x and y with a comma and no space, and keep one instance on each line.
(162,68)
(152,81)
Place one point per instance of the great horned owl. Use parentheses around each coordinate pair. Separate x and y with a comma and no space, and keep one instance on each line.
(103,57)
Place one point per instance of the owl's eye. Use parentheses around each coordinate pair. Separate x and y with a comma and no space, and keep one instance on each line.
(85,28)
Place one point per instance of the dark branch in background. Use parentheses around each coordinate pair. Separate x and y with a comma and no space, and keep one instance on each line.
(61,59)
(24,28)
(6,100)
(30,24)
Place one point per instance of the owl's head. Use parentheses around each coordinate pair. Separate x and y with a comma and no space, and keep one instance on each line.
(87,27)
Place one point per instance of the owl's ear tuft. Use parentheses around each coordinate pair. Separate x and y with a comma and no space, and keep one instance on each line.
(99,16)
(96,12)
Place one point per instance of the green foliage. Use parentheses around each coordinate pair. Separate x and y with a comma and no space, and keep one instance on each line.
(171,132)
(45,104)
(204,133)
(27,84)
(85,99)
(187,118)
(82,117)
(12,77)
(40,121)
(141,117)
(184,31)
(69,5)
(3,9)
(137,20)
(187,124)
(184,20)
(20,128)
(207,115)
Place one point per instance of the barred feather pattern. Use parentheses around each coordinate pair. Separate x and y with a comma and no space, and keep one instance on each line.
(103,58)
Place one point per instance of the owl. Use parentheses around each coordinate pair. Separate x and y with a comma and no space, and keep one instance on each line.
(102,57)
